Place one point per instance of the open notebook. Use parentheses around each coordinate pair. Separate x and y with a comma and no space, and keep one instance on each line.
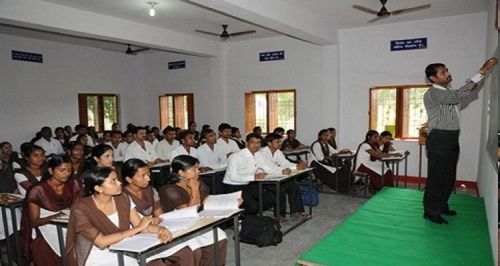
(222,205)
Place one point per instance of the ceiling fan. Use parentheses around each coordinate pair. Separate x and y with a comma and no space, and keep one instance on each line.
(226,35)
(131,51)
(384,13)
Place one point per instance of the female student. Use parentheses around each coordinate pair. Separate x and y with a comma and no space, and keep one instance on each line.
(326,163)
(368,161)
(44,202)
(75,153)
(32,173)
(184,189)
(102,218)
(136,177)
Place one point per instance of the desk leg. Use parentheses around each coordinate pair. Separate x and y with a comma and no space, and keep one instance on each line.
(310,194)
(406,171)
(236,229)
(60,239)
(216,245)
(17,247)
(278,196)
(120,259)
(382,175)
(261,207)
(6,231)
(337,180)
(397,173)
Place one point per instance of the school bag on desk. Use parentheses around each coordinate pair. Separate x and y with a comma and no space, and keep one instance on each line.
(261,231)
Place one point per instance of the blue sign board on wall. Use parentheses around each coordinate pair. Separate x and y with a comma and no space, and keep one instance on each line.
(26,56)
(409,44)
(271,56)
(177,64)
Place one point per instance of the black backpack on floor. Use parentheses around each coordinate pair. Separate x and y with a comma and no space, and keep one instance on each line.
(260,230)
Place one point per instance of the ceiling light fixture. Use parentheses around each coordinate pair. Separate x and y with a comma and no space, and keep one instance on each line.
(152,11)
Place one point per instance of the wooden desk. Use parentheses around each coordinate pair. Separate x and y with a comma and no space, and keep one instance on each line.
(213,178)
(10,202)
(204,225)
(277,180)
(393,164)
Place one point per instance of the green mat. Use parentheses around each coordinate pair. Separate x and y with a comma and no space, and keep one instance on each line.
(389,230)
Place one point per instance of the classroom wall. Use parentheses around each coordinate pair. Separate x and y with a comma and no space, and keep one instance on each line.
(366,61)
(34,95)
(310,69)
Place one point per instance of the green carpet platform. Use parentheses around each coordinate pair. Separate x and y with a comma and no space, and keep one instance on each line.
(389,230)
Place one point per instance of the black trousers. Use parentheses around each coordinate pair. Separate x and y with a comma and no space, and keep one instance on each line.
(442,153)
(250,195)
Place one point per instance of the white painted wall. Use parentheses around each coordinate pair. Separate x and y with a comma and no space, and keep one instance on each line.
(366,61)
(304,69)
(34,95)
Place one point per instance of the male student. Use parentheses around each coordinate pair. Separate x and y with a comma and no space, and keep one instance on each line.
(240,174)
(228,145)
(168,144)
(273,162)
(187,140)
(141,149)
(49,144)
(212,157)
(82,130)
(118,146)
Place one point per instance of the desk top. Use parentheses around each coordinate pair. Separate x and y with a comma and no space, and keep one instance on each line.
(10,199)
(297,151)
(214,171)
(277,178)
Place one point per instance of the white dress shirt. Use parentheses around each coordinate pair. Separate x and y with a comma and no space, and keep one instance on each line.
(90,141)
(214,159)
(180,150)
(163,148)
(134,150)
(363,158)
(118,152)
(273,164)
(241,168)
(51,147)
(228,147)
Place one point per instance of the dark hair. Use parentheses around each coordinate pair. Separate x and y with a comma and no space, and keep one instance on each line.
(99,150)
(80,137)
(234,130)
(46,128)
(130,167)
(386,133)
(224,126)
(27,149)
(180,162)
(256,128)
(321,132)
(279,129)
(55,161)
(183,134)
(58,129)
(205,127)
(332,129)
(206,132)
(370,134)
(79,126)
(136,129)
(168,129)
(191,122)
(95,177)
(116,133)
(2,144)
(252,136)
(431,69)
(72,144)
(106,132)
(290,131)
(271,136)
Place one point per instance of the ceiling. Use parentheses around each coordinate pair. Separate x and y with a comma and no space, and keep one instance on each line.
(186,16)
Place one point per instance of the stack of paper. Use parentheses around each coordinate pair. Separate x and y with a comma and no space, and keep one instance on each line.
(222,205)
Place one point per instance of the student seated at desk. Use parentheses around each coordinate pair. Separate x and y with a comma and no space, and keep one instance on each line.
(87,149)
(240,174)
(32,173)
(117,145)
(136,177)
(44,203)
(168,144)
(273,162)
(140,148)
(327,163)
(82,130)
(333,135)
(211,154)
(75,153)
(236,136)
(49,144)
(187,141)
(102,218)
(368,161)
(10,157)
(228,145)
(185,189)
(291,142)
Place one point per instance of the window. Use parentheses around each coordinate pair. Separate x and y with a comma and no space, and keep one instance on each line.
(398,109)
(98,110)
(176,110)
(270,109)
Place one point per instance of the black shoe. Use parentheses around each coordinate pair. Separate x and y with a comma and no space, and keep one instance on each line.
(435,218)
(449,212)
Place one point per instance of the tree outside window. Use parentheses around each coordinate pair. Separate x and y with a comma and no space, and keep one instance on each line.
(98,110)
(270,109)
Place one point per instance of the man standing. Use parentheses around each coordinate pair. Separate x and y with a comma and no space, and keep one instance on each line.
(443,109)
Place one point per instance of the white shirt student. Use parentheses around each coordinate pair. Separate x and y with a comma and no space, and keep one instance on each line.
(51,146)
(165,147)
(118,151)
(90,141)
(187,146)
(145,151)
(241,168)
(273,163)
(211,154)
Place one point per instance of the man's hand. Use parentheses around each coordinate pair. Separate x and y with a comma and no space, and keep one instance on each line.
(488,66)
(286,171)
(260,176)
